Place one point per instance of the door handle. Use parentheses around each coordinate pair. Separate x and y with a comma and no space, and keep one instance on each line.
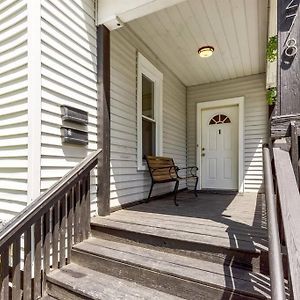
(202,154)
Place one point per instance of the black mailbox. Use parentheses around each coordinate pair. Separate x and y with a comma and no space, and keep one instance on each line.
(75,115)
(74,136)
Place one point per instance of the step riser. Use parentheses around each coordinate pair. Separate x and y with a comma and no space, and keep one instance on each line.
(176,286)
(249,261)
(59,292)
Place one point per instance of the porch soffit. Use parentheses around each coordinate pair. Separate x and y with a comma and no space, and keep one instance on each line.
(236,29)
(114,13)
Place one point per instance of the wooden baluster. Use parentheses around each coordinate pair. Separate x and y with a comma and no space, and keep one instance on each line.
(70,223)
(295,149)
(55,234)
(290,285)
(4,274)
(16,272)
(88,207)
(37,259)
(46,247)
(77,233)
(279,217)
(63,218)
(27,265)
(83,211)
(80,211)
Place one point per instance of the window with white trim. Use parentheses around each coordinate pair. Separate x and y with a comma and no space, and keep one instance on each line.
(149,110)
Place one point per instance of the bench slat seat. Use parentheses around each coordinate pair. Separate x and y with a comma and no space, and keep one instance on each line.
(163,170)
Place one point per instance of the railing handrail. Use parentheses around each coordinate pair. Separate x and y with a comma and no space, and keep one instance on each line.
(289,198)
(275,256)
(35,209)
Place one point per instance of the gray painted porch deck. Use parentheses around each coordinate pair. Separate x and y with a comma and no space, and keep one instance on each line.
(227,220)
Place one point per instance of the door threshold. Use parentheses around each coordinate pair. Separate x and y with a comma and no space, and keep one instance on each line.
(222,192)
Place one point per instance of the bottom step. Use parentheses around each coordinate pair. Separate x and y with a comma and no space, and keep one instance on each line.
(181,276)
(75,282)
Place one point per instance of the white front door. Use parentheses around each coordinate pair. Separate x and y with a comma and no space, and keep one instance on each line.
(219,148)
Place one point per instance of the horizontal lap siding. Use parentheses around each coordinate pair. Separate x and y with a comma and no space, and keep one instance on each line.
(128,184)
(68,42)
(256,118)
(13,108)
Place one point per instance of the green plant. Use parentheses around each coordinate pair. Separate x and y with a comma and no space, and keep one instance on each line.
(271,52)
(271,95)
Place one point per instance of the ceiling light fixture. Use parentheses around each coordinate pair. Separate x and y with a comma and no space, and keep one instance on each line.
(206,51)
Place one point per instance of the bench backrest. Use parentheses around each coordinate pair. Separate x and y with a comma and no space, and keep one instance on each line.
(164,174)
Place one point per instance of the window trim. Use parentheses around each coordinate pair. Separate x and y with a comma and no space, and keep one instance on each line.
(145,67)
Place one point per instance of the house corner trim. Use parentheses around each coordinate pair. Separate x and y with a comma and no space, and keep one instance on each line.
(34,99)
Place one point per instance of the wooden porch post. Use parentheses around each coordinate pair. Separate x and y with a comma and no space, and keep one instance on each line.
(288,81)
(103,77)
(285,122)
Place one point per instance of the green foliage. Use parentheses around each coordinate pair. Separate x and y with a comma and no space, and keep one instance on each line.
(272,49)
(271,95)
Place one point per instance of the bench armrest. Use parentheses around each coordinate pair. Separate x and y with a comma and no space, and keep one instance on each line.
(193,171)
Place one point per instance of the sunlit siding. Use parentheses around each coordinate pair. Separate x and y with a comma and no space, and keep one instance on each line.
(256,119)
(68,43)
(13,108)
(128,184)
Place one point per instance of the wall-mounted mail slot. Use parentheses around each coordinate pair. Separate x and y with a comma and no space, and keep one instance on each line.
(74,136)
(75,115)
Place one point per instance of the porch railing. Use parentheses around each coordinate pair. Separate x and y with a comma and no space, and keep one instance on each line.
(283,207)
(40,238)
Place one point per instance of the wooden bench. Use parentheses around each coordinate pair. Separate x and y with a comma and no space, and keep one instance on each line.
(163,170)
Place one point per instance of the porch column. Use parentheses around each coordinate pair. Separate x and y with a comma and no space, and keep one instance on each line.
(288,81)
(285,123)
(103,123)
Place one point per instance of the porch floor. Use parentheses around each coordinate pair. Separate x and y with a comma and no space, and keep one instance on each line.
(223,220)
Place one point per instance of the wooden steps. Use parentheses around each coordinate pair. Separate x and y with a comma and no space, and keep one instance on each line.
(238,251)
(79,283)
(212,249)
(174,274)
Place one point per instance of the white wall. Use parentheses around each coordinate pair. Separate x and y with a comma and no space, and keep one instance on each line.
(256,119)
(13,108)
(68,40)
(68,70)
(128,184)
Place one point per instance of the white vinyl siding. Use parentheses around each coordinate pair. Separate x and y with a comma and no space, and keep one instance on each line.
(13,108)
(68,45)
(256,120)
(127,183)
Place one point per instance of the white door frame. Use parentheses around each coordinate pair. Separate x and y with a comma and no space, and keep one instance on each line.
(239,101)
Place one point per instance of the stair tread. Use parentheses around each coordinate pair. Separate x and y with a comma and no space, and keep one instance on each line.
(184,267)
(226,241)
(95,285)
(187,223)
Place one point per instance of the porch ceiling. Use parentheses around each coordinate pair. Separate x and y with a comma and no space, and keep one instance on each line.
(237,29)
